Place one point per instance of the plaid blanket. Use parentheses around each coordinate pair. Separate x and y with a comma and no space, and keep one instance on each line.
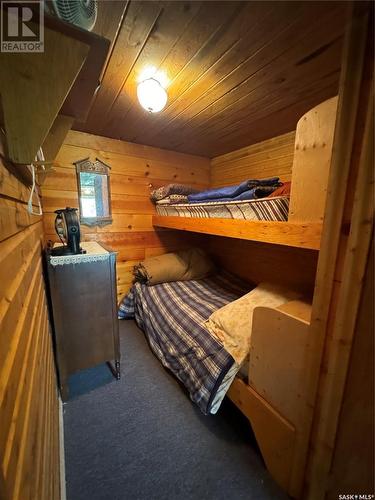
(171,315)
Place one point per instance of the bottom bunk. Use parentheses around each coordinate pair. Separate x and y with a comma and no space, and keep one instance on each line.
(172,315)
(184,323)
(277,398)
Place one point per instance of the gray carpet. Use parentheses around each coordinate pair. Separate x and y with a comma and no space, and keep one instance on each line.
(141,438)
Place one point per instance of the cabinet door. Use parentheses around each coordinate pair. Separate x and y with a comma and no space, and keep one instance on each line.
(83,314)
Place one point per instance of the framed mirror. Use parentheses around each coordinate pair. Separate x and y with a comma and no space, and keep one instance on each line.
(94,192)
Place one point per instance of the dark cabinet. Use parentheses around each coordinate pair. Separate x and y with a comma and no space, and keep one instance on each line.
(84,309)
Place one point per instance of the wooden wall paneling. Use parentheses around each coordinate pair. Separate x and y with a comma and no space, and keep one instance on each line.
(26,367)
(51,389)
(44,413)
(3,488)
(14,379)
(17,294)
(135,170)
(27,436)
(256,262)
(352,466)
(333,297)
(163,170)
(10,187)
(100,143)
(130,176)
(14,218)
(17,251)
(273,157)
(14,375)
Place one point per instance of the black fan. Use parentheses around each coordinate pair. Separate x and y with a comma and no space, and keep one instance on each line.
(67,229)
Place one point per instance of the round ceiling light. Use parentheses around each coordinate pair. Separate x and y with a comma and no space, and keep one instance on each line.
(151,95)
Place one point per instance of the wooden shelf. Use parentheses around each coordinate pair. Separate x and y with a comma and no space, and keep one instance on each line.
(292,234)
(72,59)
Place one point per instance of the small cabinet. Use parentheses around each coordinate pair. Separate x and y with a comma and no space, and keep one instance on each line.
(84,311)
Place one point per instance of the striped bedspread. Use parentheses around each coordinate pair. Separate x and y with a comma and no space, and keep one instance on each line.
(269,209)
(171,315)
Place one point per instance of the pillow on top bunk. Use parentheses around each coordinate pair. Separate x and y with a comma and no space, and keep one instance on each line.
(171,189)
(191,264)
(232,324)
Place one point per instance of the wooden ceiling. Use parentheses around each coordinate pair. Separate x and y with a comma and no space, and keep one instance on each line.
(238,72)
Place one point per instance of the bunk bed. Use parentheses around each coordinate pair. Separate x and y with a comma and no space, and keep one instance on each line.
(302,227)
(277,395)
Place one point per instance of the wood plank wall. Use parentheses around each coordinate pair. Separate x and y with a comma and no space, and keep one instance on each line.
(291,267)
(135,170)
(256,262)
(352,467)
(29,430)
(273,157)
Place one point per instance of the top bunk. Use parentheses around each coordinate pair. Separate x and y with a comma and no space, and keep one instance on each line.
(292,234)
(295,220)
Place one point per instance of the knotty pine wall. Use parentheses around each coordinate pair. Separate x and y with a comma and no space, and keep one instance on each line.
(29,427)
(135,170)
(291,267)
(273,157)
(352,467)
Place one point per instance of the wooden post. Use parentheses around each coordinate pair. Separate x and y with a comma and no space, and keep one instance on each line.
(343,256)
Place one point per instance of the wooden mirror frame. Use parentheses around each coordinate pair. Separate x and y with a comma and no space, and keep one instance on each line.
(98,167)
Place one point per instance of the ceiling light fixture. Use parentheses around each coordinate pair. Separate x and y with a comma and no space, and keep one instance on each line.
(151,95)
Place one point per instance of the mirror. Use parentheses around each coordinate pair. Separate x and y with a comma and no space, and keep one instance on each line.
(94,192)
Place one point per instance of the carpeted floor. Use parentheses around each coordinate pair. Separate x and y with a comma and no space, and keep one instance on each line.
(141,438)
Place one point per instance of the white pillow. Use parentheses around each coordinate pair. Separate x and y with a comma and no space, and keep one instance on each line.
(232,324)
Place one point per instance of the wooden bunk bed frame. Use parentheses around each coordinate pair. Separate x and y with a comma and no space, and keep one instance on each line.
(291,234)
(277,398)
(312,157)
(294,433)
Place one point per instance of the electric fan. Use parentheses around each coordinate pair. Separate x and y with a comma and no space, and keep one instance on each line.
(67,229)
(82,13)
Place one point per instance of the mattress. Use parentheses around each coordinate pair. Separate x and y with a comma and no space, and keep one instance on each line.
(171,316)
(269,209)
